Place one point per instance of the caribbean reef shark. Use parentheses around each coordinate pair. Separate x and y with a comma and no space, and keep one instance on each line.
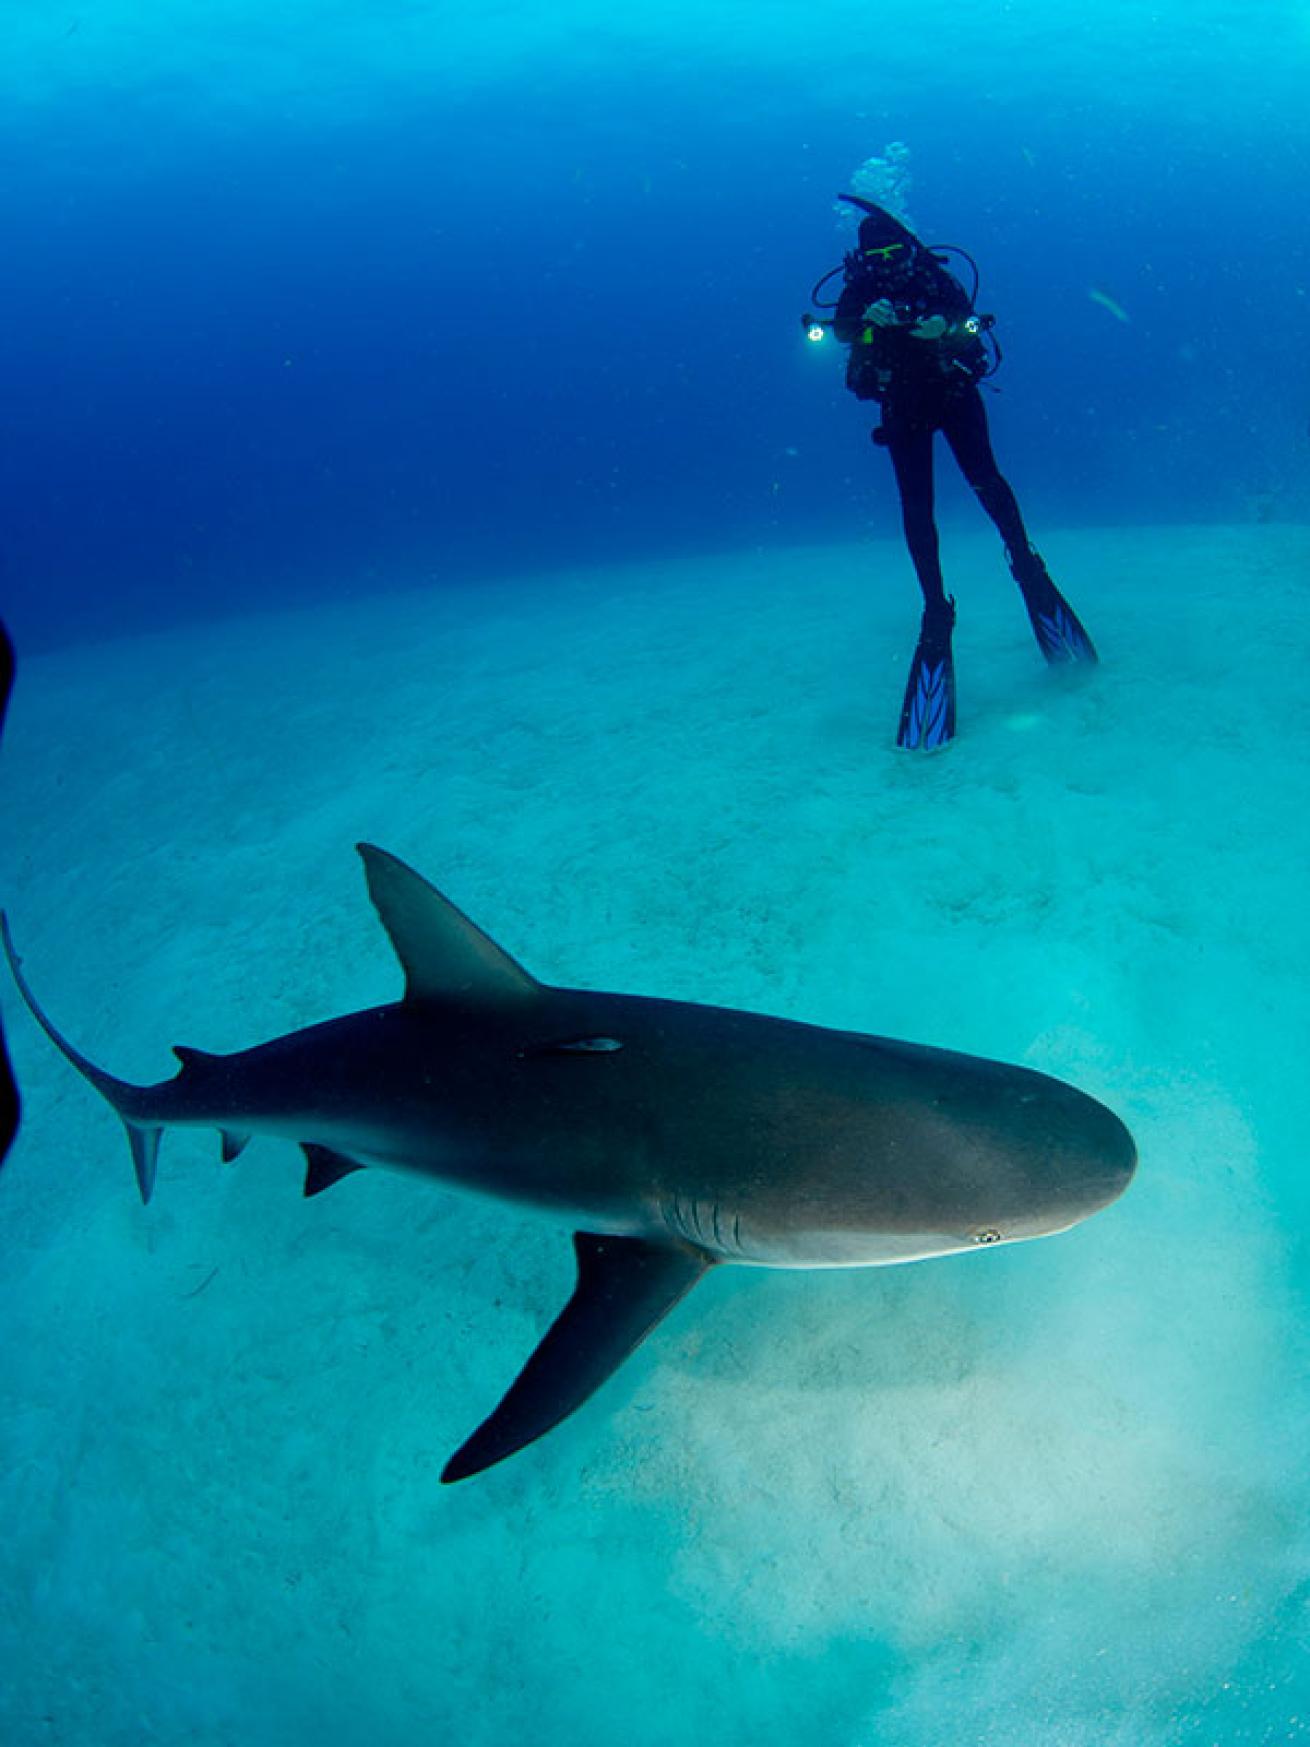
(673,1136)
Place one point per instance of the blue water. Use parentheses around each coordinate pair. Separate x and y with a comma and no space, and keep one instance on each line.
(308,297)
(407,432)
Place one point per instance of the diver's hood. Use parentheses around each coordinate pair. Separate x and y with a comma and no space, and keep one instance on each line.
(878,229)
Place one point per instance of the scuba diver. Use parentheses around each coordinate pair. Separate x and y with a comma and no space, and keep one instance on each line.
(918,348)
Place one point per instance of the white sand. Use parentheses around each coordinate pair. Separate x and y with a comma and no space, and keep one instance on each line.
(1055,1494)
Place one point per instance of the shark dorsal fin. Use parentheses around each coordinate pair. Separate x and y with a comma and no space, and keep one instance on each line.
(444,956)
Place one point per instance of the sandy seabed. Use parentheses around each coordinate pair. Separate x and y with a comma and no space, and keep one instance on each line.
(1053,1495)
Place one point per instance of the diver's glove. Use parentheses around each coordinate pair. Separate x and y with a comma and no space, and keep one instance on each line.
(885,314)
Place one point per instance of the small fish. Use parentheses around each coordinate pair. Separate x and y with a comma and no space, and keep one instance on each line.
(1115,308)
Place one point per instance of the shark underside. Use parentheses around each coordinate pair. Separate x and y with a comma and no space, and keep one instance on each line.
(673,1136)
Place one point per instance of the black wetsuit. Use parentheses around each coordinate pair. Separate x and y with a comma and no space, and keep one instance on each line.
(925,386)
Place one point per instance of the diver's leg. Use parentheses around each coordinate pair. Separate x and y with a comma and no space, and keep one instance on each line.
(910,449)
(928,712)
(1059,632)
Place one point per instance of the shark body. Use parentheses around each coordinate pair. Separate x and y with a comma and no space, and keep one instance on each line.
(673,1136)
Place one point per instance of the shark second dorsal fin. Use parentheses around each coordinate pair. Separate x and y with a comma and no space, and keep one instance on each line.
(444,956)
(193,1058)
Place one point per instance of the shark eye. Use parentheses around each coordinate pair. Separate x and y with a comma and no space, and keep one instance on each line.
(989,1235)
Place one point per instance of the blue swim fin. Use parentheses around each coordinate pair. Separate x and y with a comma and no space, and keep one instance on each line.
(928,713)
(1059,631)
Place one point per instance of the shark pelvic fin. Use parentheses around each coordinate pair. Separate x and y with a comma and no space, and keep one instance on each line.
(324,1167)
(625,1287)
(442,953)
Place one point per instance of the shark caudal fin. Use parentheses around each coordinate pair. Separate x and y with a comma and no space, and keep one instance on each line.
(131,1102)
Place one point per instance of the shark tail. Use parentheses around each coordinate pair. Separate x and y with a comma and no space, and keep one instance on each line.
(133,1103)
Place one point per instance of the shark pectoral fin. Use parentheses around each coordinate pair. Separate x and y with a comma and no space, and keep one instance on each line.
(324,1167)
(625,1286)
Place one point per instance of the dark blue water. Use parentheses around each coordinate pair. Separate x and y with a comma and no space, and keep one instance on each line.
(330,301)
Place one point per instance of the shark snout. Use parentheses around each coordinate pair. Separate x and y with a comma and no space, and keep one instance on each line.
(1099,1166)
(1116,1159)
